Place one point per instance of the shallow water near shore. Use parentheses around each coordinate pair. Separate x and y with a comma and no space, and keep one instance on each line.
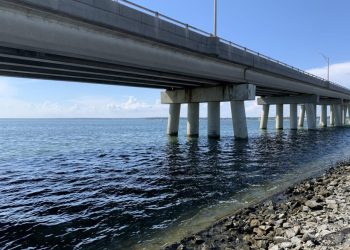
(121,183)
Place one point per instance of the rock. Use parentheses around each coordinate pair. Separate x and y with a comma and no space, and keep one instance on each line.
(286,225)
(287,244)
(254,223)
(279,239)
(289,233)
(306,237)
(275,247)
(305,209)
(314,205)
(198,240)
(296,241)
(297,230)
(309,243)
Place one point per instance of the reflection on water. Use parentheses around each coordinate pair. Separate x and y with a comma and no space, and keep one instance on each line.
(121,183)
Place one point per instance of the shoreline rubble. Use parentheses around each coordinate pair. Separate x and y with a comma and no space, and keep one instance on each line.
(314,214)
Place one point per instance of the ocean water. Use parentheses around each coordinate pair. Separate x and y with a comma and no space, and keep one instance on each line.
(123,184)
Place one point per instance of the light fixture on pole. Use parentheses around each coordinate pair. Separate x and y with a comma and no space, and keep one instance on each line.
(326,58)
(215,17)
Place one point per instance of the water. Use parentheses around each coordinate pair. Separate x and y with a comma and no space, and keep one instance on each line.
(122,184)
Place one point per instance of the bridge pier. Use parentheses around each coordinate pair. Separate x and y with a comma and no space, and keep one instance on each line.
(311,115)
(302,116)
(279,116)
(345,110)
(337,115)
(214,119)
(331,115)
(174,119)
(293,116)
(235,94)
(193,119)
(323,118)
(264,116)
(239,120)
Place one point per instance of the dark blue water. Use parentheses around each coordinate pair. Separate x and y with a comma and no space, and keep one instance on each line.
(121,183)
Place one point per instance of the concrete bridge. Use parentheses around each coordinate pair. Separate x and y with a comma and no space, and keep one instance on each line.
(120,43)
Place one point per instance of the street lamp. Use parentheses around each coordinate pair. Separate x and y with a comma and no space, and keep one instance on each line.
(326,58)
(215,17)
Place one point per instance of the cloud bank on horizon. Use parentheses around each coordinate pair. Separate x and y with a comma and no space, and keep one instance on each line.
(13,104)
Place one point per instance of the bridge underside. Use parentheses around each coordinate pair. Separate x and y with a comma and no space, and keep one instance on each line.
(37,65)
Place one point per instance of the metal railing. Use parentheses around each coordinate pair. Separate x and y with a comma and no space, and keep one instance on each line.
(197,30)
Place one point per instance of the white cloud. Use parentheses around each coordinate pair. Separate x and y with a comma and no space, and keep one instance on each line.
(339,73)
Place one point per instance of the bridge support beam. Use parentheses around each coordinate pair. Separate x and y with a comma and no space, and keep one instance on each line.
(293,116)
(174,119)
(264,116)
(302,116)
(239,120)
(193,119)
(323,118)
(279,116)
(214,119)
(310,115)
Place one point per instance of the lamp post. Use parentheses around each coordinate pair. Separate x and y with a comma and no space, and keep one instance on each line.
(326,58)
(215,17)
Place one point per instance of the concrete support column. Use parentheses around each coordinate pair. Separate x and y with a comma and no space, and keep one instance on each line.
(302,116)
(193,119)
(264,116)
(345,111)
(213,119)
(174,119)
(239,120)
(310,115)
(323,118)
(279,116)
(331,115)
(293,116)
(337,116)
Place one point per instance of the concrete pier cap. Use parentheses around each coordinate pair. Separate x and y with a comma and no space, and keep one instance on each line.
(236,94)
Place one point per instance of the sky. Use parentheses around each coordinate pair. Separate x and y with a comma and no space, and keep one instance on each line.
(297,32)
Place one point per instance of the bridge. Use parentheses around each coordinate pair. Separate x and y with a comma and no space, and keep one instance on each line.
(121,43)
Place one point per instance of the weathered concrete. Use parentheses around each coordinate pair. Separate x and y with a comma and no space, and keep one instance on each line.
(337,116)
(302,116)
(239,120)
(310,115)
(193,120)
(288,99)
(226,93)
(213,119)
(264,116)
(293,116)
(323,118)
(345,110)
(174,119)
(331,115)
(279,116)
(132,42)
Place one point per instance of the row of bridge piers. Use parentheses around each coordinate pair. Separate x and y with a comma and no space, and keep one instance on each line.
(237,95)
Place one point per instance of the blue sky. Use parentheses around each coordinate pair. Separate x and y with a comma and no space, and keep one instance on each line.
(296,32)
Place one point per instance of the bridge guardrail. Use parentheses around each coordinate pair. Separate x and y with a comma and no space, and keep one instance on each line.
(197,30)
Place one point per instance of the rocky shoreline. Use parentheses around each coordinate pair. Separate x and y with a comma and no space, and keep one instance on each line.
(314,214)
